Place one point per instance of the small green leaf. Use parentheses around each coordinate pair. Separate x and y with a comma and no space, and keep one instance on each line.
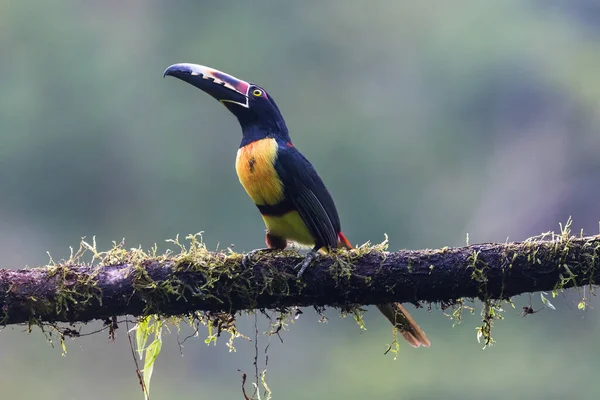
(141,335)
(263,380)
(210,337)
(546,302)
(152,351)
(144,328)
(64,346)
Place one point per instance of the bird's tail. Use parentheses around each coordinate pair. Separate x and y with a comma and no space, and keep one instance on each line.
(402,320)
(343,242)
(396,313)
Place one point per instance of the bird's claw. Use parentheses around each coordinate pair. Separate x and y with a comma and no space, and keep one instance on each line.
(247,258)
(305,263)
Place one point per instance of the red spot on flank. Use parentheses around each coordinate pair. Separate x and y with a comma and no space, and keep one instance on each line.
(289,144)
(275,242)
(343,242)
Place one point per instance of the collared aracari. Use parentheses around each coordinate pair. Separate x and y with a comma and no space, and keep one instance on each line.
(290,195)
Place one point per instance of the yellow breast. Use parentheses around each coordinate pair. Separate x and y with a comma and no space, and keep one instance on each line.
(255,167)
(289,226)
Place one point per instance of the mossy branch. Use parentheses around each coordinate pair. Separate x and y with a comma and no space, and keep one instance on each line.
(133,282)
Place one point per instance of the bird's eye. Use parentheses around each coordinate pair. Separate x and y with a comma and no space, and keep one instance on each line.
(257,93)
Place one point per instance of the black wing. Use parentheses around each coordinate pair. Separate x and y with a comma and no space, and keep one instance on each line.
(305,189)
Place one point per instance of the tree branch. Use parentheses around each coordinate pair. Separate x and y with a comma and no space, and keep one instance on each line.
(132,282)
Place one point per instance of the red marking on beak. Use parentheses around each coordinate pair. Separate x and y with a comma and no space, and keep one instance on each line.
(238,84)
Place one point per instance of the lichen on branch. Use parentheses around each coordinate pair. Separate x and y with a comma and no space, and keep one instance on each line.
(124,281)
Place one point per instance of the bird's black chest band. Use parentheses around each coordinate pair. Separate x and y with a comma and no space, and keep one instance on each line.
(279,209)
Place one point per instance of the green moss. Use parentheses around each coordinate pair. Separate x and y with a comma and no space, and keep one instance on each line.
(74,290)
(454,310)
(77,289)
(491,308)
(491,311)
(561,249)
(343,268)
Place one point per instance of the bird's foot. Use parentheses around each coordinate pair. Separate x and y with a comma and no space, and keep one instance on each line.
(306,262)
(247,259)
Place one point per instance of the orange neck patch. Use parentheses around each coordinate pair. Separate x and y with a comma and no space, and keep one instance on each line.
(255,167)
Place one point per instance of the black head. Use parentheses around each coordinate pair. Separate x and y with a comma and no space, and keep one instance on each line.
(254,108)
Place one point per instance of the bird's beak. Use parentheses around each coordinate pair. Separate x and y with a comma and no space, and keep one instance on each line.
(221,86)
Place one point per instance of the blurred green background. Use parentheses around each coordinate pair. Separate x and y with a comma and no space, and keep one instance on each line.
(426,120)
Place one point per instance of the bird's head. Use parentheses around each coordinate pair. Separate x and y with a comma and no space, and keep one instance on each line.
(254,108)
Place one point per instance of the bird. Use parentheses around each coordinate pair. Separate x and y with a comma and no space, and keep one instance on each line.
(291,197)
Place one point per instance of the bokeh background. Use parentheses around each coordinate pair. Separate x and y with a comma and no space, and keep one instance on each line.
(427,120)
